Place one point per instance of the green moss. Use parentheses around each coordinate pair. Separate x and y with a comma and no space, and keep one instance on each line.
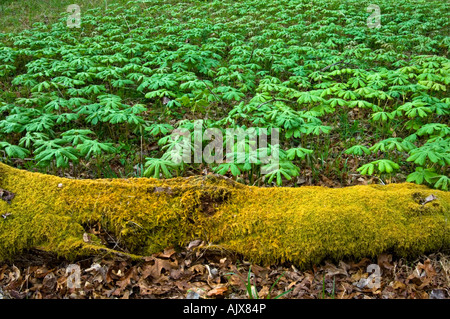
(302,225)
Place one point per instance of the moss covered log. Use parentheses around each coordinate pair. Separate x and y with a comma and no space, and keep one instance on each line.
(301,225)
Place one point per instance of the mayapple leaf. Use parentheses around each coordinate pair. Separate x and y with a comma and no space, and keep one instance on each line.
(442,183)
(383,166)
(357,150)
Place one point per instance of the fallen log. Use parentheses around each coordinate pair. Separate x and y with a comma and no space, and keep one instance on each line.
(300,225)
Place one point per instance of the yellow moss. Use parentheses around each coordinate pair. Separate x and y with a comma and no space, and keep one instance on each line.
(302,225)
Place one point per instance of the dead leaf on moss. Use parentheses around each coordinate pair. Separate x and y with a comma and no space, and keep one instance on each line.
(429,199)
(86,238)
(6,215)
(7,196)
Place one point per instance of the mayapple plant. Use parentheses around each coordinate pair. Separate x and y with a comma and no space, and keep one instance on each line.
(112,84)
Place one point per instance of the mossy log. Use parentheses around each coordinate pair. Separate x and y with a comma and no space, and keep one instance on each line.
(300,225)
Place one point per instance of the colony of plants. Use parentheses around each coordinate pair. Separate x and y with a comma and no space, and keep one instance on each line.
(353,103)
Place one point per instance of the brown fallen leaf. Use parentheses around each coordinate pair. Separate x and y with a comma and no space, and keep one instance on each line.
(49,282)
(14,274)
(152,289)
(3,271)
(397,285)
(126,279)
(426,282)
(199,268)
(176,273)
(428,268)
(159,265)
(358,275)
(37,295)
(413,279)
(41,272)
(332,270)
(236,281)
(17,295)
(166,254)
(259,271)
(363,263)
(422,275)
(111,275)
(217,292)
(182,285)
(385,260)
(264,292)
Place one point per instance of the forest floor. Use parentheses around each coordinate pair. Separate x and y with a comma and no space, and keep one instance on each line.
(197,272)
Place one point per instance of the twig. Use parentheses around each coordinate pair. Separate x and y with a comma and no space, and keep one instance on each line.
(129,29)
(273,100)
(342,61)
(251,55)
(209,89)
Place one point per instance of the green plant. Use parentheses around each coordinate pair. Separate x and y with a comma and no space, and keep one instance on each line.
(155,166)
(442,182)
(382,166)
(49,152)
(422,174)
(324,293)
(358,150)
(252,292)
(13,151)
